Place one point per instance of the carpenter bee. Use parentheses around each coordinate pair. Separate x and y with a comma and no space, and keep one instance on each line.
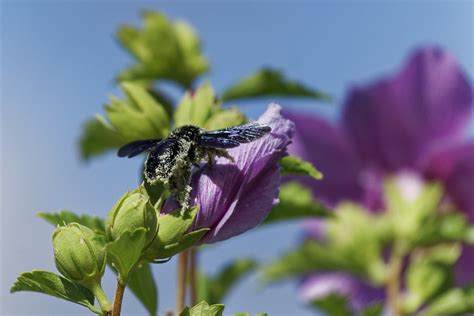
(170,159)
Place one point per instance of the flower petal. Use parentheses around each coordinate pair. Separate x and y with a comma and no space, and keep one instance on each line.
(235,197)
(359,294)
(328,148)
(454,165)
(393,122)
(463,271)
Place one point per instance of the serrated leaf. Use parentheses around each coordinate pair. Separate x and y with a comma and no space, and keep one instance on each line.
(203,309)
(270,82)
(296,202)
(124,252)
(149,105)
(138,116)
(292,165)
(142,284)
(65,217)
(196,107)
(333,304)
(214,289)
(163,50)
(225,118)
(52,284)
(98,137)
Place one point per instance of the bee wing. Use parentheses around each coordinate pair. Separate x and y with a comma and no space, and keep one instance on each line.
(137,147)
(233,136)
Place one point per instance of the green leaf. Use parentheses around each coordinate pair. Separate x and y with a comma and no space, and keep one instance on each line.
(196,107)
(164,50)
(441,228)
(409,216)
(52,284)
(360,238)
(203,309)
(374,309)
(296,166)
(174,225)
(270,82)
(456,301)
(296,202)
(333,304)
(138,116)
(225,118)
(124,252)
(429,274)
(172,236)
(353,242)
(214,289)
(185,242)
(142,284)
(65,217)
(98,138)
(306,258)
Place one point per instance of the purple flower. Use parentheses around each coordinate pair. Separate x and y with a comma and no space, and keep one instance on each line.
(359,294)
(412,123)
(235,197)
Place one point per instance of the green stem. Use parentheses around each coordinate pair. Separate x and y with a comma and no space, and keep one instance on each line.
(193,267)
(181,286)
(393,282)
(118,298)
(104,302)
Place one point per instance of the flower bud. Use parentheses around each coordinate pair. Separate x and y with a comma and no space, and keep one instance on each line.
(131,212)
(78,255)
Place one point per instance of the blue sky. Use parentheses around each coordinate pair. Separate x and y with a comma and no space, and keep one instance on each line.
(58,60)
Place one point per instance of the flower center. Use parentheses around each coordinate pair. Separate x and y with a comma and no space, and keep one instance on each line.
(410,185)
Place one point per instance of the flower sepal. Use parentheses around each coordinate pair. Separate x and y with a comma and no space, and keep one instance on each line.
(125,252)
(132,212)
(174,234)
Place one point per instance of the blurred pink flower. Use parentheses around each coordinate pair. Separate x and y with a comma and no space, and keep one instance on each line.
(359,294)
(413,123)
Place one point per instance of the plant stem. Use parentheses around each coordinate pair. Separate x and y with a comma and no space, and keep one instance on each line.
(101,298)
(393,283)
(118,298)
(193,261)
(181,286)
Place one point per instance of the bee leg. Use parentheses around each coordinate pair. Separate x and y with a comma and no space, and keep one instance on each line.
(179,185)
(225,154)
(210,159)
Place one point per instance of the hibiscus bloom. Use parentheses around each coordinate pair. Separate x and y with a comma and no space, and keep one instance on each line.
(235,197)
(411,124)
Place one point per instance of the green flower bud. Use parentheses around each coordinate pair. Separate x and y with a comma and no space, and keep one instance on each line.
(78,254)
(131,212)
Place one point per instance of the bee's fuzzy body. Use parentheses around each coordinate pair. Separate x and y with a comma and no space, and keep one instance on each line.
(170,160)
